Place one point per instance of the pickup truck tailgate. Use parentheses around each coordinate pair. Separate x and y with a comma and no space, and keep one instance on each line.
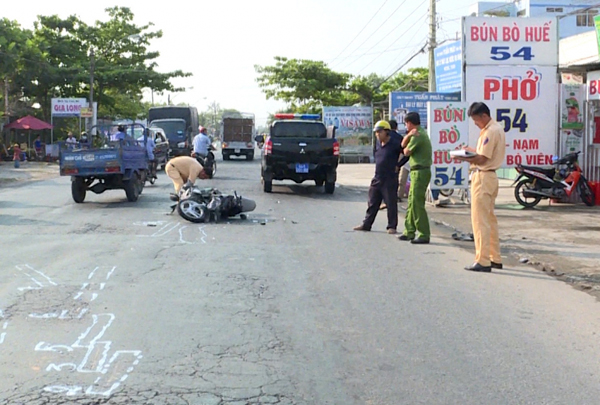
(302,150)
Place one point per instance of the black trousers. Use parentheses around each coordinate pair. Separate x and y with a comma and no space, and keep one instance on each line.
(386,191)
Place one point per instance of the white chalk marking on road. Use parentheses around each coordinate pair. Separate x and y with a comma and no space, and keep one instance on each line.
(92,273)
(48,315)
(96,351)
(181,236)
(165,230)
(40,284)
(64,389)
(111,272)
(201,229)
(41,274)
(3,334)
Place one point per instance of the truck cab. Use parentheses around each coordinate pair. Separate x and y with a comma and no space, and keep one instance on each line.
(299,147)
(180,125)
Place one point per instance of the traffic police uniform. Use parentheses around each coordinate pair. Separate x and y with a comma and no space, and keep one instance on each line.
(484,190)
(182,169)
(420,160)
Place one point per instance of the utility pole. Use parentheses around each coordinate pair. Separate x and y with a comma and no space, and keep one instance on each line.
(6,112)
(92,86)
(432,44)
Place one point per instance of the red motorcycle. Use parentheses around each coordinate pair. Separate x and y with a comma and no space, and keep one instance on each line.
(555,183)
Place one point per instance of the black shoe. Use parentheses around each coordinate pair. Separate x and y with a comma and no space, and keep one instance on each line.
(496,265)
(479,268)
(420,241)
(405,237)
(174,197)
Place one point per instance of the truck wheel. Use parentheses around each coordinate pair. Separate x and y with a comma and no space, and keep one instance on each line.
(78,190)
(250,156)
(329,187)
(132,189)
(319,182)
(225,156)
(267,186)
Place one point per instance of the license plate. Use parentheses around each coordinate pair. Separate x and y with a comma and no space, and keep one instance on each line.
(236,150)
(301,167)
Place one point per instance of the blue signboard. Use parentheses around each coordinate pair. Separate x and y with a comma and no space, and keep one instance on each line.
(448,67)
(402,102)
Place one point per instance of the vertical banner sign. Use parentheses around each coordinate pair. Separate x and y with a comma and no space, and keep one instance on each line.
(353,127)
(597,26)
(403,102)
(449,130)
(512,67)
(571,106)
(448,67)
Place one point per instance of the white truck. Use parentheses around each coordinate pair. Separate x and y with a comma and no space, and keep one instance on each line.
(237,136)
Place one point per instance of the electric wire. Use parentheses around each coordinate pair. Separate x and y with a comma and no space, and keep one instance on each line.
(393,42)
(360,32)
(374,32)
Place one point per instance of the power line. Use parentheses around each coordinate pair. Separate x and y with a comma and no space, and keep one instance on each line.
(405,63)
(396,27)
(416,31)
(377,52)
(374,32)
(360,32)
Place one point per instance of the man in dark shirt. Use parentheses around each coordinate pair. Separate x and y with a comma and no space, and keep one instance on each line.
(401,161)
(384,185)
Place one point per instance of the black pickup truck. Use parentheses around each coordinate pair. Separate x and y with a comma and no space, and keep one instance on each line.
(300,149)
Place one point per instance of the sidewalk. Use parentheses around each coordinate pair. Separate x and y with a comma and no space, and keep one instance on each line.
(27,172)
(560,239)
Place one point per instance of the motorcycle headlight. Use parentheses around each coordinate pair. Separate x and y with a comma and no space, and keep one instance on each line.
(181,145)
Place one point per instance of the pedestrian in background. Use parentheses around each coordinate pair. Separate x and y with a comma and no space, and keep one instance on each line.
(491,148)
(17,155)
(71,142)
(384,185)
(417,146)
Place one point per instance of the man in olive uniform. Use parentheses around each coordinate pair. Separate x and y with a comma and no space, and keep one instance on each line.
(182,169)
(417,146)
(491,148)
(384,185)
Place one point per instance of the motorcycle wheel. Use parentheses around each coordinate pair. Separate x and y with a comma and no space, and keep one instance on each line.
(214,169)
(527,202)
(586,193)
(447,192)
(192,211)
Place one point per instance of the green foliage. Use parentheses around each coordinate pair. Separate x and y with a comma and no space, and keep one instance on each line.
(55,60)
(304,84)
(308,85)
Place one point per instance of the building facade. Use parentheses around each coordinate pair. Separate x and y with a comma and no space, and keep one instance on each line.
(575,17)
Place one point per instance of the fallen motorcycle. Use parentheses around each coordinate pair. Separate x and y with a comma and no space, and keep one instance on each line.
(205,204)
(555,183)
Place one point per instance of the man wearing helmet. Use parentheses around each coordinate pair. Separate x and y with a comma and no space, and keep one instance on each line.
(384,185)
(201,143)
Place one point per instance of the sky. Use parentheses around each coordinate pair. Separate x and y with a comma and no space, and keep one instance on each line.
(220,41)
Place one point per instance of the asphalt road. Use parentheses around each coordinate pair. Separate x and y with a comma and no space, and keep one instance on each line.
(111,302)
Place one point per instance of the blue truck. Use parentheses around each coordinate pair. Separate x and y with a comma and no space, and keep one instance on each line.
(121,164)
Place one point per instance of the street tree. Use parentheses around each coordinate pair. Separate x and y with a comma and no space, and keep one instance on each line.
(305,84)
(308,85)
